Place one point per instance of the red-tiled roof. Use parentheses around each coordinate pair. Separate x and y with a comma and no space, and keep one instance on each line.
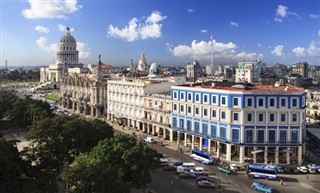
(104,66)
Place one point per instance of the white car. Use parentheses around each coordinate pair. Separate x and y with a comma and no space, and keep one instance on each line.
(234,167)
(312,166)
(149,140)
(197,171)
(303,169)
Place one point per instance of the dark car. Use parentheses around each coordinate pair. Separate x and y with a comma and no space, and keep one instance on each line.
(206,178)
(205,184)
(187,175)
(169,168)
(294,170)
(177,163)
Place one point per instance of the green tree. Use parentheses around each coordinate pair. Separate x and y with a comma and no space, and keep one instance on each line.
(6,102)
(115,165)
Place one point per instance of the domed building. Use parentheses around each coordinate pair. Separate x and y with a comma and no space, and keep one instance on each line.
(67,56)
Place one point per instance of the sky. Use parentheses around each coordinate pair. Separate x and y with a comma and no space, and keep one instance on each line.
(168,32)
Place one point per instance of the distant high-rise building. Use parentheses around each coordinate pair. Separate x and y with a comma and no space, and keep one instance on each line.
(193,71)
(249,71)
(301,69)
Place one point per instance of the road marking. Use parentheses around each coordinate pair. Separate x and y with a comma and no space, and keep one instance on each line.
(307,186)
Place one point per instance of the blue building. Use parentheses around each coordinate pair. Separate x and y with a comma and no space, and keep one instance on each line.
(239,122)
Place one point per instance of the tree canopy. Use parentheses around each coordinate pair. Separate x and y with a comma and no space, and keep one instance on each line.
(115,165)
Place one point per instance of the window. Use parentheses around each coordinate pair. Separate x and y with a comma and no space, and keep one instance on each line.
(223,100)
(235,101)
(283,117)
(283,102)
(214,99)
(174,107)
(182,123)
(260,102)
(196,127)
(249,117)
(197,110)
(249,136)
(189,109)
(260,116)
(214,131)
(205,98)
(235,135)
(189,125)
(182,108)
(272,136)
(214,113)
(283,136)
(294,102)
(223,133)
(174,122)
(223,115)
(235,116)
(182,96)
(204,128)
(260,136)
(294,136)
(294,117)
(197,97)
(189,96)
(249,102)
(205,112)
(271,117)
(272,102)
(175,95)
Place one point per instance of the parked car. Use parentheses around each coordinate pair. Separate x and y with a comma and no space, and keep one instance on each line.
(280,169)
(197,171)
(293,170)
(303,169)
(169,168)
(177,163)
(149,140)
(164,162)
(205,178)
(205,184)
(261,187)
(311,165)
(187,175)
(234,167)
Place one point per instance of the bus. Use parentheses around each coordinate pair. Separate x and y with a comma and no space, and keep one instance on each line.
(264,172)
(201,156)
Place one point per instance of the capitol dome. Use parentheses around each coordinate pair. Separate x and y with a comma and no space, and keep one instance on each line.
(68,38)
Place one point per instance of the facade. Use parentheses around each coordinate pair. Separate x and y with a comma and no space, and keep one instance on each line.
(262,123)
(142,64)
(249,71)
(193,71)
(300,69)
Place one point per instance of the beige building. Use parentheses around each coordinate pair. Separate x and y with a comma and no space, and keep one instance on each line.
(300,69)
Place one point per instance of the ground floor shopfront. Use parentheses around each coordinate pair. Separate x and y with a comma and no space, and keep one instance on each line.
(256,153)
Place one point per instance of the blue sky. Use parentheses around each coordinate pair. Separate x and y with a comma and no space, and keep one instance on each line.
(171,33)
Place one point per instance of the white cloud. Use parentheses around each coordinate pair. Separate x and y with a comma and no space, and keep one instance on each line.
(190,10)
(63,28)
(319,32)
(283,12)
(42,29)
(277,51)
(222,52)
(83,50)
(203,31)
(314,16)
(139,30)
(313,49)
(259,45)
(52,48)
(234,24)
(52,9)
(298,51)
(42,44)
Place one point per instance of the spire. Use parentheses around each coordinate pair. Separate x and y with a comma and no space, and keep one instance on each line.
(99,69)
(68,30)
(211,39)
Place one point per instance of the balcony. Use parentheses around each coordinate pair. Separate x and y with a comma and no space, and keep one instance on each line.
(273,143)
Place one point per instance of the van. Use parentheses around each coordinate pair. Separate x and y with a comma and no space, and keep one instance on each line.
(164,162)
(149,140)
(185,167)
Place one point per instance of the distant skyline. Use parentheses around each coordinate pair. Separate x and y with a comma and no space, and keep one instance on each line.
(170,33)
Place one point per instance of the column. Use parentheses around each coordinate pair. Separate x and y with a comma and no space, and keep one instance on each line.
(143,127)
(185,139)
(300,154)
(171,135)
(200,144)
(209,145)
(288,157)
(164,133)
(218,149)
(254,155)
(192,142)
(276,161)
(241,154)
(178,138)
(228,152)
(266,155)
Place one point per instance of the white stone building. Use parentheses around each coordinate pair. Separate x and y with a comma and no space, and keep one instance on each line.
(249,71)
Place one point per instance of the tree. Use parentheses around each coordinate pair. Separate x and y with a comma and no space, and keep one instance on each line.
(6,102)
(59,140)
(115,165)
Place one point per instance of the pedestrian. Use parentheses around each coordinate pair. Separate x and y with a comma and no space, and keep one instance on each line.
(171,183)
(281,182)
(307,178)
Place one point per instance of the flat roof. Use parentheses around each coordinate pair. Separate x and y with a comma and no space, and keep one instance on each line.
(314,131)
